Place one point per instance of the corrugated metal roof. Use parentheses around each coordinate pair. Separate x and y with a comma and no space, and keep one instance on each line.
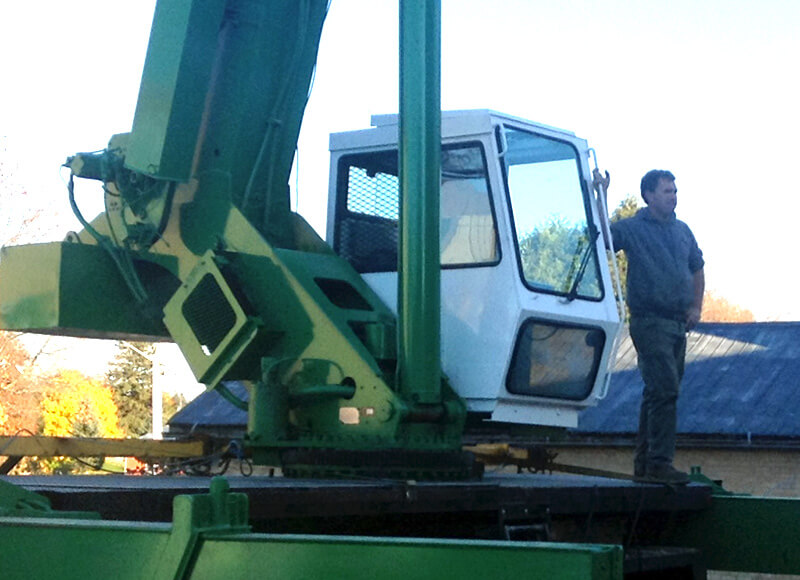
(740,380)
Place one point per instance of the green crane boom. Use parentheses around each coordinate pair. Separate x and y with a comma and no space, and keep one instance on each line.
(198,245)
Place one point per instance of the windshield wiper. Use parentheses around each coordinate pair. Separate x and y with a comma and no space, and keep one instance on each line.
(591,237)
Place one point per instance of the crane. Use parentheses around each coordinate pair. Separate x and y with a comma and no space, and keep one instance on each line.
(342,365)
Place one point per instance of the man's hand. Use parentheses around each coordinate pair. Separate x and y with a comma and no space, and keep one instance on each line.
(600,181)
(692,318)
(699,284)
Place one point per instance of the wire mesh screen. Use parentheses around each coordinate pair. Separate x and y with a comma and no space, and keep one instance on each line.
(368,210)
(376,194)
(367,232)
(209,314)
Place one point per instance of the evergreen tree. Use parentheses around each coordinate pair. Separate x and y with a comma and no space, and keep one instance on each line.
(131,379)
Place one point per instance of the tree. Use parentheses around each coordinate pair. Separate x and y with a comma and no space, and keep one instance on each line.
(131,378)
(12,360)
(545,253)
(173,404)
(718,309)
(626,208)
(20,391)
(551,257)
(75,406)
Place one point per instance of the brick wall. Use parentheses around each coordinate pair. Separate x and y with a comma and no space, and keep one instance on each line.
(757,472)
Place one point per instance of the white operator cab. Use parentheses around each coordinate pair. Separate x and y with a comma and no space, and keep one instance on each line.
(529,317)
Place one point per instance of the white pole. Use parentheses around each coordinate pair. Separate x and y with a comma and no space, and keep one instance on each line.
(157,389)
(158,411)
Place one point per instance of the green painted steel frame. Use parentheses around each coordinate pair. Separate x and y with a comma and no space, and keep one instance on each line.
(744,534)
(222,96)
(18,502)
(419,300)
(163,138)
(45,289)
(209,539)
(358,558)
(239,291)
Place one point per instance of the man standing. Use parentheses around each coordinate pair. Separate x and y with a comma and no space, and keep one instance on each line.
(665,296)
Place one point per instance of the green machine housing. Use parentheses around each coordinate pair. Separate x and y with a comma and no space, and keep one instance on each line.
(198,245)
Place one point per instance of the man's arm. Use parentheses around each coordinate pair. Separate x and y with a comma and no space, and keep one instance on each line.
(699,282)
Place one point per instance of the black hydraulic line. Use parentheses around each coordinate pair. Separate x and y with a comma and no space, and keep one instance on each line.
(122,258)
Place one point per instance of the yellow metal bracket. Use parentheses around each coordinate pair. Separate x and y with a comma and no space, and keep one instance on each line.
(14,448)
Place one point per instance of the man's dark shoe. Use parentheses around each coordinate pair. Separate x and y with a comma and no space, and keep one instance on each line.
(666,474)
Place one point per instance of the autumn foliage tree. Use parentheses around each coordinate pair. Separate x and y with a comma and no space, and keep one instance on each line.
(76,406)
(67,404)
(718,309)
(20,391)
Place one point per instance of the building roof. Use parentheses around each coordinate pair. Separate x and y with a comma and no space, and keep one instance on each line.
(212,410)
(741,379)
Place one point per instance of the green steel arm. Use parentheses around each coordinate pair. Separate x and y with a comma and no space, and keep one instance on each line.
(223,92)
(198,244)
(209,539)
(744,534)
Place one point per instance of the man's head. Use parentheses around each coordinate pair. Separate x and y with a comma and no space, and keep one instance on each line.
(659,192)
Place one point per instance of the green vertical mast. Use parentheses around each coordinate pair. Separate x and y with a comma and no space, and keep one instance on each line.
(419,364)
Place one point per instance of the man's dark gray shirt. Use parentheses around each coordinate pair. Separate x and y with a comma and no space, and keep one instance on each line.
(662,259)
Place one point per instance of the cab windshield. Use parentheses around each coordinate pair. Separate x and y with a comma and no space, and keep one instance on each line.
(556,243)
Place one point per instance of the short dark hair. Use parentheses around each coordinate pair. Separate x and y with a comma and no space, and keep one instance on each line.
(651,179)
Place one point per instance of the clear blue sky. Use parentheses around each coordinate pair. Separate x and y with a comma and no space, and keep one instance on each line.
(707,89)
